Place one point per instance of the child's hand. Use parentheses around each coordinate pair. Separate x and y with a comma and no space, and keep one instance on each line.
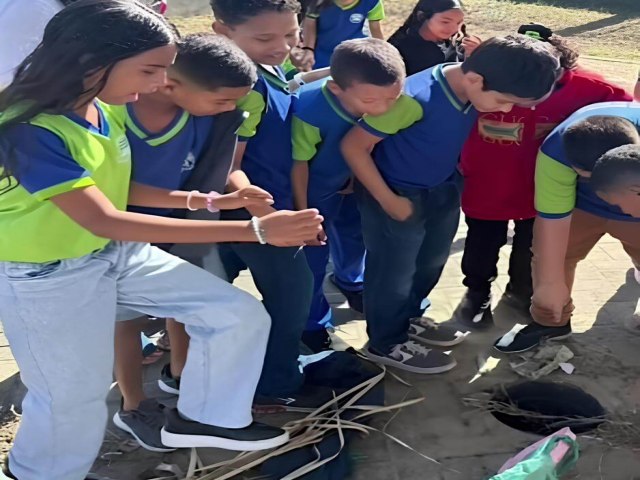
(470,43)
(551,304)
(399,208)
(247,197)
(308,60)
(291,229)
(319,240)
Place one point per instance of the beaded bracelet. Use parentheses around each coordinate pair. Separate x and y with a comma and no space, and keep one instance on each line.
(258,230)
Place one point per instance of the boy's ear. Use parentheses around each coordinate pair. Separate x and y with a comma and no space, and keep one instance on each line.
(220,28)
(333,87)
(475,79)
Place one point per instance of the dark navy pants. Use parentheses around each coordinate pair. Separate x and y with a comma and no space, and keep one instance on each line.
(345,245)
(405,259)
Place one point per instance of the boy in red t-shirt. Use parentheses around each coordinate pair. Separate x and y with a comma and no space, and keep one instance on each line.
(498,164)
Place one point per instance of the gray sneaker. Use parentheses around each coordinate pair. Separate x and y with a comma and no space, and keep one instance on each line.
(413,357)
(167,382)
(427,331)
(144,424)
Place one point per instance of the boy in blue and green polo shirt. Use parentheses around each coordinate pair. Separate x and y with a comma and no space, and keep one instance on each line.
(572,217)
(266,30)
(328,23)
(181,138)
(409,191)
(368,75)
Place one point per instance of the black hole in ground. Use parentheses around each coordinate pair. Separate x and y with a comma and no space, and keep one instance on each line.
(547,407)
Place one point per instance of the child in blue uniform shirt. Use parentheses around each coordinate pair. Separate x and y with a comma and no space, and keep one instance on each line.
(409,191)
(368,75)
(172,133)
(328,23)
(266,30)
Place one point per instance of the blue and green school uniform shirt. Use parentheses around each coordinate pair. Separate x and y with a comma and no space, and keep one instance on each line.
(423,138)
(166,159)
(319,125)
(267,159)
(337,23)
(558,188)
(57,154)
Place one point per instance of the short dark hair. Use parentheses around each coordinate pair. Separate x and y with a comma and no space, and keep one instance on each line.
(616,168)
(366,60)
(587,140)
(237,12)
(213,61)
(515,65)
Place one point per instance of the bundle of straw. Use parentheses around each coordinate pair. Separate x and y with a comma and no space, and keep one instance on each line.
(305,432)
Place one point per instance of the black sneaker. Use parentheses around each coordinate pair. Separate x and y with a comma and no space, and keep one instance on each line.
(427,331)
(521,303)
(167,382)
(179,432)
(307,399)
(520,339)
(354,299)
(474,310)
(144,424)
(317,340)
(413,357)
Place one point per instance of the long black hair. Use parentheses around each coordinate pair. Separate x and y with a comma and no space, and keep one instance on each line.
(568,54)
(86,37)
(422,12)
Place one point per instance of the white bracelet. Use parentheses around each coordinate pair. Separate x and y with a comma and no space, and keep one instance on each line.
(258,230)
(299,78)
(210,198)
(189,198)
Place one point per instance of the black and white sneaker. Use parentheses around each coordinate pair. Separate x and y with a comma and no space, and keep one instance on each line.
(179,432)
(474,310)
(307,399)
(522,338)
(427,331)
(413,357)
(144,424)
(167,382)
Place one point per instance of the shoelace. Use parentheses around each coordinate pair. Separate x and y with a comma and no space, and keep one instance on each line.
(415,348)
(426,322)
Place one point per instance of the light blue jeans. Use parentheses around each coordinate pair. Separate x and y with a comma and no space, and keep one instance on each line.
(59,318)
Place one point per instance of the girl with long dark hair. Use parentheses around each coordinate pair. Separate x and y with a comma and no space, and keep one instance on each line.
(71,256)
(433,33)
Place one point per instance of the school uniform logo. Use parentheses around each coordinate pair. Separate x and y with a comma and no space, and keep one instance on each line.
(189,163)
(356,18)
